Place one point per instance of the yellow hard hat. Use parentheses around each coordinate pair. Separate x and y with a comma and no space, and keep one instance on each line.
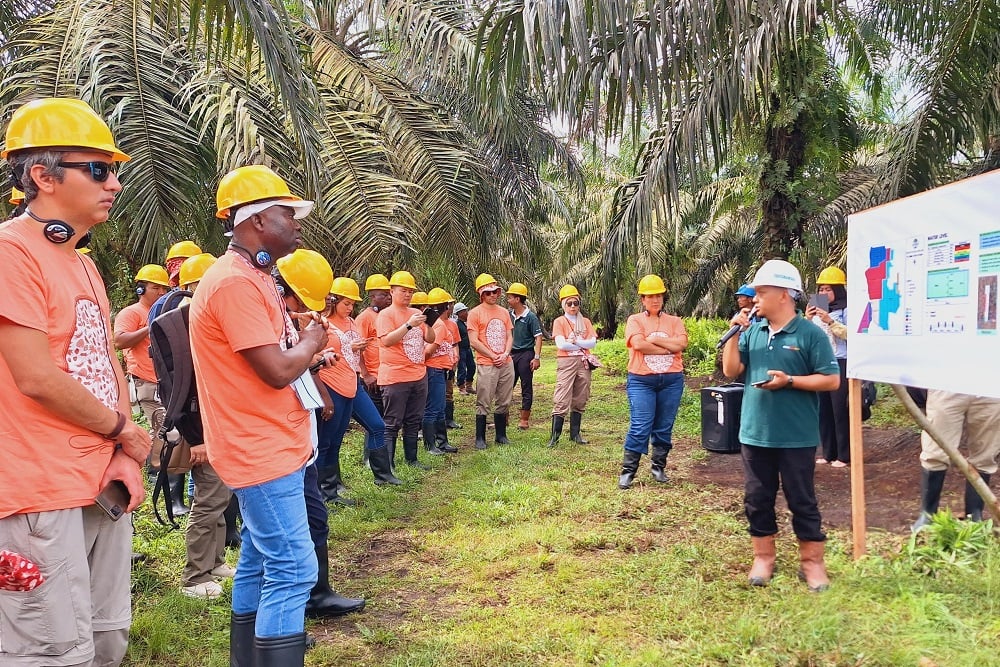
(16,196)
(376,281)
(59,122)
(245,185)
(194,267)
(345,287)
(309,275)
(831,275)
(153,273)
(437,296)
(651,284)
(568,291)
(183,249)
(403,279)
(419,299)
(518,289)
(484,279)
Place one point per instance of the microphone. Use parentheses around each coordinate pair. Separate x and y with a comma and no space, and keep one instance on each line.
(735,329)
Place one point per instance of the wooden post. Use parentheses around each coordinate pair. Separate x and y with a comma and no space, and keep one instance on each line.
(859,528)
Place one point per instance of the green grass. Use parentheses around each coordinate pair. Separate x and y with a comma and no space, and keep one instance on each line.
(521,555)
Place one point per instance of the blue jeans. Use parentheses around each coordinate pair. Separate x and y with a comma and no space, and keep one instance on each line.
(466,365)
(331,431)
(277,567)
(437,381)
(366,413)
(653,402)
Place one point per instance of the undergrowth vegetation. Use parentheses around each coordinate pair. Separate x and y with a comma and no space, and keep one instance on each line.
(524,555)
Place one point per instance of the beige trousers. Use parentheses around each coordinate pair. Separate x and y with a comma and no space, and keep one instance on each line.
(572,385)
(494,388)
(206,528)
(950,412)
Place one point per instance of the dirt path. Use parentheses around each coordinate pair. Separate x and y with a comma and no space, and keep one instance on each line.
(892,482)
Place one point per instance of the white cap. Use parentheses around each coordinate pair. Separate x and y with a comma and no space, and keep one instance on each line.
(777,273)
(459,307)
(302,207)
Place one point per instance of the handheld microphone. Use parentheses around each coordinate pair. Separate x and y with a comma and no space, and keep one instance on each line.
(735,329)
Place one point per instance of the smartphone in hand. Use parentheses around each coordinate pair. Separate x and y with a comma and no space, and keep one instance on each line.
(821,301)
(432,314)
(114,499)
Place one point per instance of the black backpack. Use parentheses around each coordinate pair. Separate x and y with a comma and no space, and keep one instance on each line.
(170,349)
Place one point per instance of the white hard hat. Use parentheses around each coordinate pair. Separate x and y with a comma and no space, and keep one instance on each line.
(459,307)
(777,273)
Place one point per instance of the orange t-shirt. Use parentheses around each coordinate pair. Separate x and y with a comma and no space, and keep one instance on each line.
(404,361)
(137,359)
(365,324)
(342,377)
(47,462)
(649,327)
(563,327)
(491,326)
(446,336)
(254,433)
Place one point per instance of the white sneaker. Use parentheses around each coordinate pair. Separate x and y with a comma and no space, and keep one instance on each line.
(225,571)
(207,590)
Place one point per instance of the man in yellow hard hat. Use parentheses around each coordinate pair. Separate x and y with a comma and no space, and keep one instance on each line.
(68,438)
(248,360)
(490,336)
(526,353)
(402,374)
(176,255)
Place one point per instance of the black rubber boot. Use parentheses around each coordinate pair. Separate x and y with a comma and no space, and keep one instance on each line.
(233,539)
(379,459)
(557,426)
(390,443)
(931,483)
(430,438)
(659,461)
(442,437)
(974,504)
(323,600)
(574,428)
(178,485)
(410,453)
(500,422)
(331,486)
(241,636)
(284,651)
(630,465)
(481,432)
(449,415)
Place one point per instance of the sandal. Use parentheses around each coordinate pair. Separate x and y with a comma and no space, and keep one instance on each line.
(839,464)
(821,461)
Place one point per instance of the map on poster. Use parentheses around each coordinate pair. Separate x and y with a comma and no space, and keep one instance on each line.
(922,276)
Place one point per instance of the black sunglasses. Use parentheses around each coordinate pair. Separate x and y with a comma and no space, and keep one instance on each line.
(572,303)
(492,291)
(99,171)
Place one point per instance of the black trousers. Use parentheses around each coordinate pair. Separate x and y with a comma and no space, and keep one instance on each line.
(316,512)
(834,420)
(404,404)
(767,467)
(522,371)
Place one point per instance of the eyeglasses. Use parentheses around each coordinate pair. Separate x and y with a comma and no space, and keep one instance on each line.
(572,303)
(99,171)
(491,292)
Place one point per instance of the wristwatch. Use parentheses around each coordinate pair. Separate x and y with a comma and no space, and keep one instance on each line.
(791,381)
(408,326)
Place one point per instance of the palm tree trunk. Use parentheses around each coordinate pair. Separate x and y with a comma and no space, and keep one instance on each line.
(785,146)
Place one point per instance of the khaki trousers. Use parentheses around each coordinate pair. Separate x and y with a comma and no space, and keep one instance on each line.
(494,388)
(950,412)
(81,613)
(572,385)
(149,403)
(206,528)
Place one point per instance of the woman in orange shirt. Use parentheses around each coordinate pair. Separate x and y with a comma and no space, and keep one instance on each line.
(655,382)
(441,357)
(575,336)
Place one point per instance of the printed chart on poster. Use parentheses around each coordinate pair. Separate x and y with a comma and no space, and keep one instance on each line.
(922,281)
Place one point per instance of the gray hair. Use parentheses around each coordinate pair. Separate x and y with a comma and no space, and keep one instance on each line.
(22,162)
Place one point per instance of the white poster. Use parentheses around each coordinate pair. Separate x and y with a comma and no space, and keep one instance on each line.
(922,280)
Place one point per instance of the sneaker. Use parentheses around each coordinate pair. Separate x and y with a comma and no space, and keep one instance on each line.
(225,571)
(207,590)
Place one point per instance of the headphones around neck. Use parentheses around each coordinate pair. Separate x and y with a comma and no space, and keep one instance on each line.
(59,232)
(261,259)
(140,289)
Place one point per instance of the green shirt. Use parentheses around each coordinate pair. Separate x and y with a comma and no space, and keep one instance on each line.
(527,327)
(785,417)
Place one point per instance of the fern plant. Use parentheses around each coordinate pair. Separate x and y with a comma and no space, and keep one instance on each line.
(946,543)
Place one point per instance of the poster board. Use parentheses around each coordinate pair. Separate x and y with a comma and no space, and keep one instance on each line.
(923,275)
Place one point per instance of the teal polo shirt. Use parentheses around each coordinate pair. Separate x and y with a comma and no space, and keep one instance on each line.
(527,327)
(784,418)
